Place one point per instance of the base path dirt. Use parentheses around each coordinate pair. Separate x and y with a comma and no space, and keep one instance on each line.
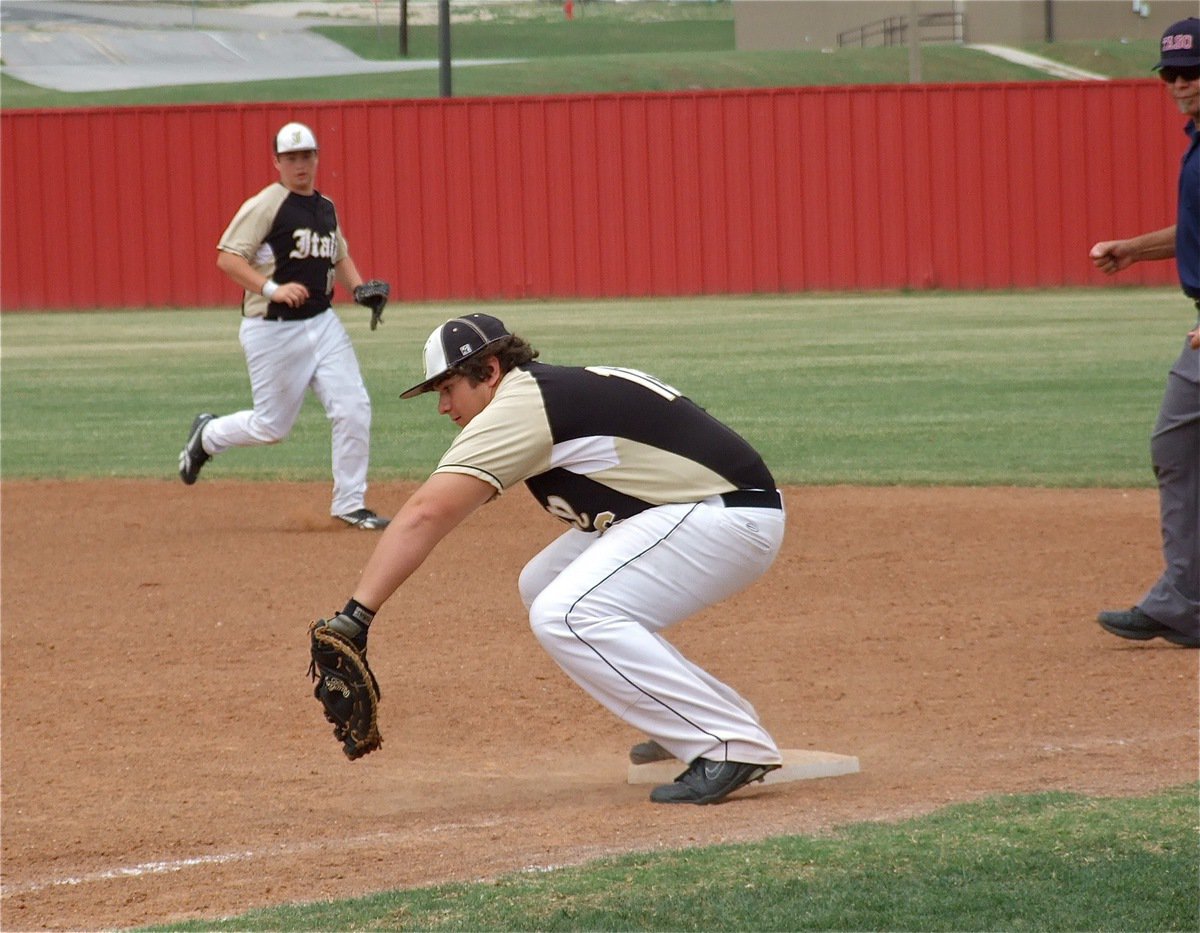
(163,757)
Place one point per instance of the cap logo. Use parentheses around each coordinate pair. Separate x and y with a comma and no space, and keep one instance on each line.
(465,349)
(1177,42)
(295,137)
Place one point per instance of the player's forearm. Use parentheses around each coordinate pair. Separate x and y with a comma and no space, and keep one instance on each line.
(403,547)
(1158,244)
(347,275)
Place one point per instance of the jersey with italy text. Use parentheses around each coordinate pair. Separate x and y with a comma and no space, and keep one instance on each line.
(598,444)
(288,237)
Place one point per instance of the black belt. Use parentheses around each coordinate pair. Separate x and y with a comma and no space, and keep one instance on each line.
(291,315)
(753,499)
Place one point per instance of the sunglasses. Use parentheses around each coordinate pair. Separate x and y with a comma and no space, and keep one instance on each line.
(1169,74)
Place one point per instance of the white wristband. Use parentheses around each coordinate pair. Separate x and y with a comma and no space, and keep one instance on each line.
(269,288)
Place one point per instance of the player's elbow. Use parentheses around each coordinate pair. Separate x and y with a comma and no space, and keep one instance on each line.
(426,520)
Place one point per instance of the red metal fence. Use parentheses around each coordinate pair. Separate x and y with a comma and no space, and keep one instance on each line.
(777,190)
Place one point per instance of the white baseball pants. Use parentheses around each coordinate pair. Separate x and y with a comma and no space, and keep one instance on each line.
(286,358)
(597,604)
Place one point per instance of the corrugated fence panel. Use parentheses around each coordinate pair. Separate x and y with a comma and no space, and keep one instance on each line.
(62,287)
(677,243)
(636,191)
(528,179)
(814,211)
(609,189)
(789,261)
(788,189)
(864,155)
(485,186)
(667,190)
(406,205)
(22,259)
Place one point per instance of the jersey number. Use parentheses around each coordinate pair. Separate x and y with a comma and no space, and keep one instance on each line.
(645,380)
(561,508)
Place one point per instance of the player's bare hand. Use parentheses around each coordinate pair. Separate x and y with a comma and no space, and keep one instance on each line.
(292,294)
(1111,256)
(1194,338)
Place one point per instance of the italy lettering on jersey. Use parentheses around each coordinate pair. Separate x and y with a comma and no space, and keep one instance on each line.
(596,445)
(288,237)
(310,244)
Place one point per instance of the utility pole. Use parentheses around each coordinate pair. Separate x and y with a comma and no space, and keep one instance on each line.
(444,48)
(914,44)
(404,28)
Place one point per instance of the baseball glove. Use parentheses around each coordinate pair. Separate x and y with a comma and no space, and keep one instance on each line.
(345,687)
(373,295)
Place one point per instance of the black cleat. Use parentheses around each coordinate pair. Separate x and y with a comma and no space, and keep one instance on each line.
(709,781)
(364,519)
(193,456)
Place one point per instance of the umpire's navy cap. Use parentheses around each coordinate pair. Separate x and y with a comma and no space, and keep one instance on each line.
(455,341)
(1180,46)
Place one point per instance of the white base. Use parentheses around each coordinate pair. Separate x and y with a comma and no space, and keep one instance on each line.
(798,765)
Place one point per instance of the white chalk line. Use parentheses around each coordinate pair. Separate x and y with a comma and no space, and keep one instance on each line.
(168,866)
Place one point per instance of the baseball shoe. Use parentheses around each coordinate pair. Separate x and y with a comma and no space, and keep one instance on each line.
(709,781)
(193,456)
(364,519)
(645,752)
(1135,624)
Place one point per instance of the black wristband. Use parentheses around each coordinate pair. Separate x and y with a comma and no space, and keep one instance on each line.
(359,613)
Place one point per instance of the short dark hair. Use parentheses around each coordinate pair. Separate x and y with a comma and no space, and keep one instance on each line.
(510,352)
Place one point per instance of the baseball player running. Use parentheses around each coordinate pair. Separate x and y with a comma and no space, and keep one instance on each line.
(669,511)
(285,248)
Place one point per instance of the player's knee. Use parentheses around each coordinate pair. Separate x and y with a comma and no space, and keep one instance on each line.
(548,619)
(268,433)
(355,416)
(531,583)
(1168,457)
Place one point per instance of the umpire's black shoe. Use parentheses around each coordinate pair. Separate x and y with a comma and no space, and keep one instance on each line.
(709,781)
(193,456)
(1135,624)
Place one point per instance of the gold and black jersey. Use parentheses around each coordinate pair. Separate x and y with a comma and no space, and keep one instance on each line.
(596,445)
(288,237)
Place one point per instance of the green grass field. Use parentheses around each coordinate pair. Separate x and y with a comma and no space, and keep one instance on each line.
(1042,862)
(1039,389)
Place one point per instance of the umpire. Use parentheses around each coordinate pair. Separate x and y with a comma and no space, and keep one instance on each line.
(1171,608)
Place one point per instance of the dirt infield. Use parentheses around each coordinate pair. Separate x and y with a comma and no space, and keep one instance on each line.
(163,758)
